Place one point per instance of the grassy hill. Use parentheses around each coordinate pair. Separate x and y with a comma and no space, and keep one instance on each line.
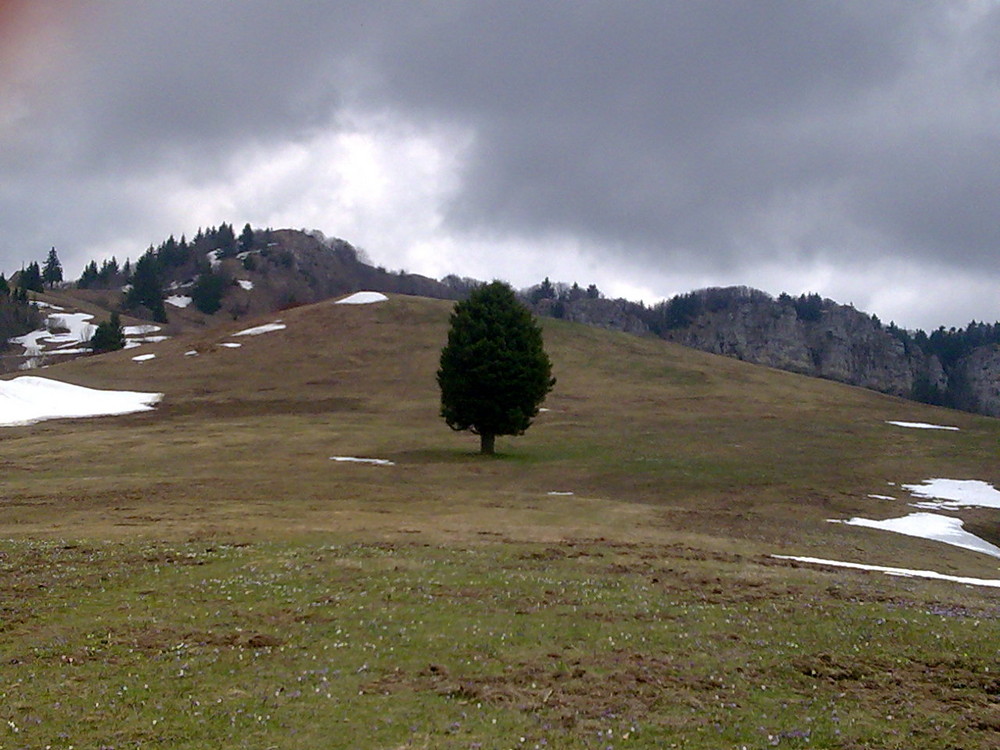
(205,575)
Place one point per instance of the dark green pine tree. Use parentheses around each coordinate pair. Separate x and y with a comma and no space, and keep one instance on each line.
(4,286)
(88,279)
(31,278)
(109,335)
(225,241)
(494,371)
(52,272)
(208,291)
(147,287)
(245,244)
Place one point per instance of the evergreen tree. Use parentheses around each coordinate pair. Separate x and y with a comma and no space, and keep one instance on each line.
(225,241)
(545,290)
(89,277)
(207,292)
(31,278)
(4,286)
(52,273)
(494,371)
(147,287)
(110,272)
(246,239)
(109,336)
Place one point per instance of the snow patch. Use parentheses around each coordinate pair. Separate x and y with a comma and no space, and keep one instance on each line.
(230,345)
(79,325)
(354,459)
(557,492)
(362,298)
(245,284)
(881,497)
(142,330)
(28,399)
(952,494)
(191,353)
(178,300)
(143,357)
(266,328)
(906,572)
(931,526)
(922,425)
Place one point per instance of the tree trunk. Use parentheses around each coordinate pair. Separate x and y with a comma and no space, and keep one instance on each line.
(487,440)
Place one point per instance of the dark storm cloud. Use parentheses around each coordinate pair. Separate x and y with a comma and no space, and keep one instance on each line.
(677,127)
(712,135)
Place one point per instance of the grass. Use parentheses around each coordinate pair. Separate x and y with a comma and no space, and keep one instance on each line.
(203,575)
(494,644)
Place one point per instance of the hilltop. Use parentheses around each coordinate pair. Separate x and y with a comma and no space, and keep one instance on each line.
(218,276)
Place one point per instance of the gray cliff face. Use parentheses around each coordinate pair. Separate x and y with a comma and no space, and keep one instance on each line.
(976,381)
(603,313)
(842,344)
(809,335)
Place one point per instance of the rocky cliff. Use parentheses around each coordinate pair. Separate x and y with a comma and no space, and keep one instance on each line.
(840,344)
(975,381)
(807,335)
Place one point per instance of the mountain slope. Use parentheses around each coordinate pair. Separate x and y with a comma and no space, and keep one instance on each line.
(648,436)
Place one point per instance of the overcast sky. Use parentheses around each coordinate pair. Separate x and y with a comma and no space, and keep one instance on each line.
(846,148)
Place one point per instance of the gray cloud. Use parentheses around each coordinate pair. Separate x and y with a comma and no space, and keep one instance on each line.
(718,138)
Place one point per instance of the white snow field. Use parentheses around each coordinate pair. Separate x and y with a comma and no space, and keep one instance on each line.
(952,494)
(922,425)
(143,357)
(78,331)
(362,298)
(28,399)
(356,460)
(245,284)
(266,328)
(931,526)
(906,572)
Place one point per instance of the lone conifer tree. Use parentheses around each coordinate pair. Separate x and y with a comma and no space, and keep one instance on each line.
(52,272)
(109,336)
(494,371)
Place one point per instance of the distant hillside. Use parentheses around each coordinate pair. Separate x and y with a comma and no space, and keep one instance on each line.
(812,336)
(220,275)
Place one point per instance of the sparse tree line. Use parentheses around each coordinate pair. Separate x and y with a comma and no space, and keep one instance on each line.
(144,282)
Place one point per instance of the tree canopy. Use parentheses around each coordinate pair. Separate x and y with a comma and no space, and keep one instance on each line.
(494,371)
(109,336)
(52,272)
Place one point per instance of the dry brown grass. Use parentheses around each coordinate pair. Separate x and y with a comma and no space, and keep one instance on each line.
(656,442)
